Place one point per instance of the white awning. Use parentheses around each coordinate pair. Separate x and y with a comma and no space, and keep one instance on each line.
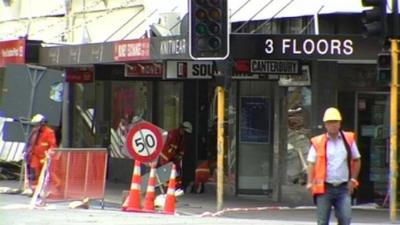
(243,10)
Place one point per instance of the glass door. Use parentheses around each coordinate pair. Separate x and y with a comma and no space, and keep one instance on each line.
(255,138)
(373,142)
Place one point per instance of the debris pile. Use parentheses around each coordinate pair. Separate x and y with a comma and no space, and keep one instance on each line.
(9,170)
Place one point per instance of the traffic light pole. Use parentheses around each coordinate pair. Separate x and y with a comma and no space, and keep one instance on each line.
(220,146)
(393,130)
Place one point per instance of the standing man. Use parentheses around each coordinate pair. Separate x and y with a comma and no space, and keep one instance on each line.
(334,165)
(175,147)
(42,139)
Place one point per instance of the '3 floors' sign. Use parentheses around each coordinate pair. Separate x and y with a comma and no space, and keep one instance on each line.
(189,70)
(304,47)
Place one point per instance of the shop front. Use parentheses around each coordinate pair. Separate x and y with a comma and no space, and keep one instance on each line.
(342,73)
(279,89)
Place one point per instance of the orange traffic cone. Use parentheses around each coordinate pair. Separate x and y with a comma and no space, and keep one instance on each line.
(169,207)
(150,192)
(132,202)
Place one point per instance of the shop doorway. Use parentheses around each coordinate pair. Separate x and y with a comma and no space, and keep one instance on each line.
(372,124)
(255,140)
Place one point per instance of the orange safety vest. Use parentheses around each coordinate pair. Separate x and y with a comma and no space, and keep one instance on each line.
(319,174)
(174,146)
(39,145)
(202,173)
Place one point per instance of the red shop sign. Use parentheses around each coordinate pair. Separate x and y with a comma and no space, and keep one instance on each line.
(144,70)
(129,50)
(79,75)
(12,52)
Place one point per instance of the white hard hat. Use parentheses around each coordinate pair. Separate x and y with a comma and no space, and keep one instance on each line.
(187,126)
(38,118)
(332,114)
(159,201)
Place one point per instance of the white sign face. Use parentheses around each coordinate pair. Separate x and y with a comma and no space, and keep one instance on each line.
(144,142)
(190,70)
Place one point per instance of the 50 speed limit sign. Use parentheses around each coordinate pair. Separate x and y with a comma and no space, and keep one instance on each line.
(144,141)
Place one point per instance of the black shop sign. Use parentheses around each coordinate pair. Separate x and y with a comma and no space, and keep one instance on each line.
(304,47)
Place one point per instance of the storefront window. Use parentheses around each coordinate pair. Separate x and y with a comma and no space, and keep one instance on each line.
(169,113)
(130,101)
(83,112)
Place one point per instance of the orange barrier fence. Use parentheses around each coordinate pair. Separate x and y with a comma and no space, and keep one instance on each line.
(76,173)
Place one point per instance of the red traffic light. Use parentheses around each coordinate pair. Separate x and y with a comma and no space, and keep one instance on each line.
(384,60)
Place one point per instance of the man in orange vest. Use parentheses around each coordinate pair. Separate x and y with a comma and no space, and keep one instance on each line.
(334,165)
(175,147)
(41,140)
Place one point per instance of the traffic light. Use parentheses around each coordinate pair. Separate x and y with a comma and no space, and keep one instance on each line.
(384,68)
(375,19)
(208,29)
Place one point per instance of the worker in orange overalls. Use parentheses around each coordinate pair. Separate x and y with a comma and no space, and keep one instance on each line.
(175,147)
(41,140)
(203,173)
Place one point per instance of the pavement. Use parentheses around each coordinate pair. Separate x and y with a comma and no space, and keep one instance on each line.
(292,208)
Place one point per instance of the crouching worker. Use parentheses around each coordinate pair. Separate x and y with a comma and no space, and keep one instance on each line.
(203,173)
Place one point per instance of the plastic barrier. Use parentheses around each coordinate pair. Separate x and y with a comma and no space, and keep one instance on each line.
(75,173)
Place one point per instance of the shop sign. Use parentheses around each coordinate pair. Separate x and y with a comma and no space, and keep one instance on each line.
(274,66)
(269,69)
(173,47)
(79,75)
(299,80)
(169,48)
(190,70)
(12,52)
(303,47)
(129,50)
(144,70)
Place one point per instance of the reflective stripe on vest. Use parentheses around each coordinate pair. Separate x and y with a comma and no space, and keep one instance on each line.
(319,174)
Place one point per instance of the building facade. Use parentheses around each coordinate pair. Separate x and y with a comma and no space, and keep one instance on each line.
(270,115)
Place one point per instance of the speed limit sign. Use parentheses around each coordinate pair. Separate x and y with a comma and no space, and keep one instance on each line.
(144,141)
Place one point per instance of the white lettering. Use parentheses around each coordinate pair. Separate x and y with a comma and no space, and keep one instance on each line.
(12,52)
(269,46)
(322,46)
(295,51)
(310,46)
(173,47)
(348,47)
(308,50)
(285,45)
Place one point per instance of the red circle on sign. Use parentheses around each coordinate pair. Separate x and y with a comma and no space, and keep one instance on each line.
(144,142)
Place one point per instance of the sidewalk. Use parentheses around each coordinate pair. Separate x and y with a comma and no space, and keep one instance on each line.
(243,207)
(291,208)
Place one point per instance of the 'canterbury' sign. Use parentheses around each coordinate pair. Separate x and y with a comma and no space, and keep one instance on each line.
(274,66)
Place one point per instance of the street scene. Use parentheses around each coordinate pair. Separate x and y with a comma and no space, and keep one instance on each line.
(199,112)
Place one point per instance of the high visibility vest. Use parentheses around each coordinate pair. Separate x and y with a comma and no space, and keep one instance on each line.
(202,173)
(174,146)
(319,174)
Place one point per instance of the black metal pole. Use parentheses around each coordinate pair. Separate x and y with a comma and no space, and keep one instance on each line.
(395,7)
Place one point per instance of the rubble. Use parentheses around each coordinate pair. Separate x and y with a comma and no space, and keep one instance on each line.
(9,170)
(298,137)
